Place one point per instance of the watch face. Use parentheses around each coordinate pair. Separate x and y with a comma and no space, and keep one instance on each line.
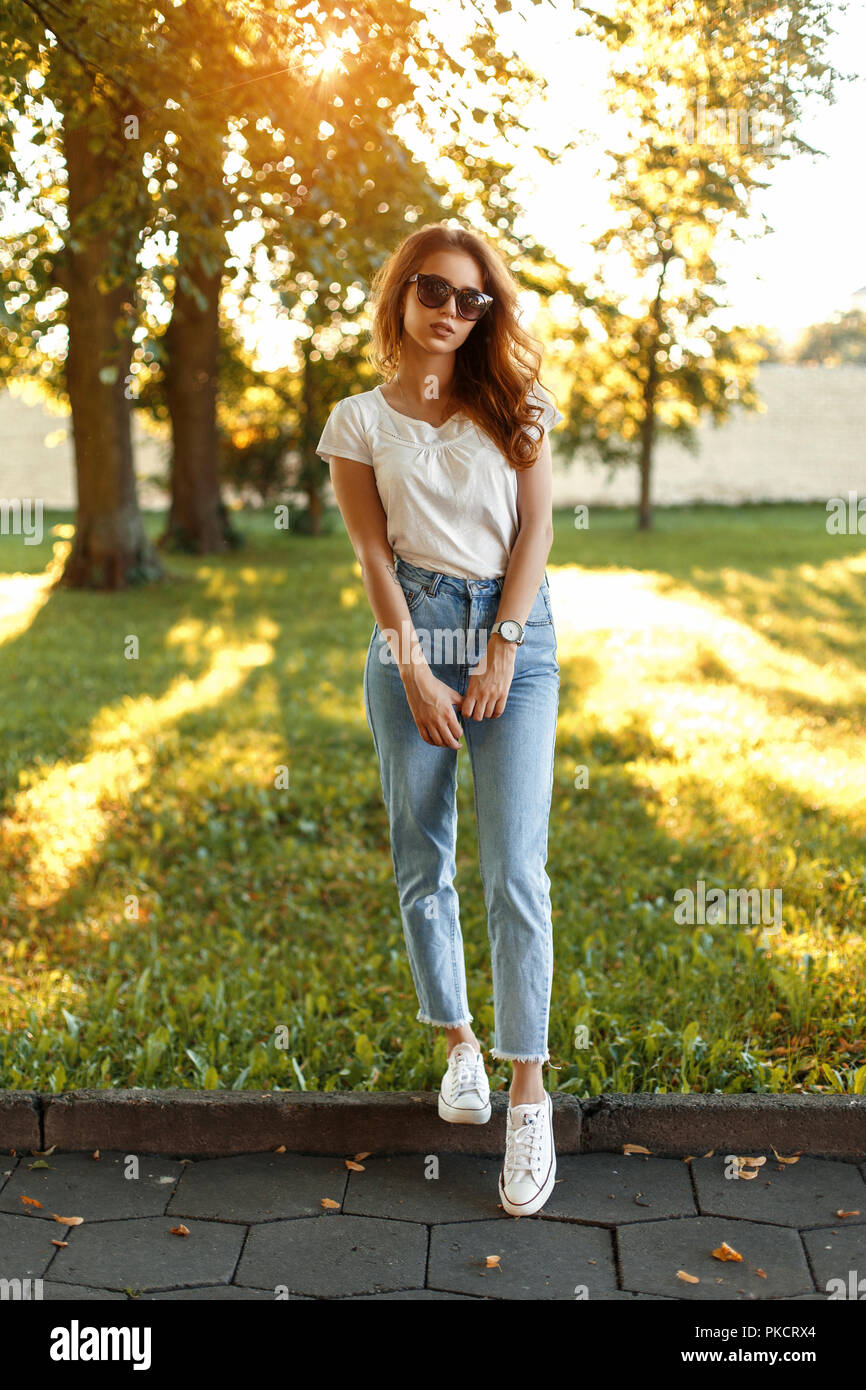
(510,630)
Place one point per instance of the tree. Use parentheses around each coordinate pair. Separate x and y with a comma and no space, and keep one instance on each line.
(317,166)
(307,152)
(695,81)
(96,269)
(841,338)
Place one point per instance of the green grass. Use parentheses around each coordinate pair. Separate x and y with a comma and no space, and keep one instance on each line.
(171,917)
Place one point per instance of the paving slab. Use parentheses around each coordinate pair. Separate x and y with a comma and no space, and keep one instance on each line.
(25,1246)
(259,1187)
(143,1254)
(610,1189)
(617,1227)
(838,1254)
(215,1293)
(329,1255)
(97,1189)
(460,1186)
(68,1293)
(807,1193)
(416,1296)
(538,1259)
(652,1253)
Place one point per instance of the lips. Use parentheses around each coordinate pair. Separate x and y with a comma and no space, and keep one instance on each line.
(443,328)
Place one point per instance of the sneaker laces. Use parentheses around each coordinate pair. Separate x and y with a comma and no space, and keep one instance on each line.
(465,1067)
(525,1143)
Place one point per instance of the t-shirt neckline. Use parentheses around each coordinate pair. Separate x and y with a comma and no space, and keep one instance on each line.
(425,424)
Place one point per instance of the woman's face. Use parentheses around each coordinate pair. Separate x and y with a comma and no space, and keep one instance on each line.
(460,270)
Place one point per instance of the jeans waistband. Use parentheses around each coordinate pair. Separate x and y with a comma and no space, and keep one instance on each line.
(434,580)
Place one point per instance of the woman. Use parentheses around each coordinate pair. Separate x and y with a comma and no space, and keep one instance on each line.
(443,479)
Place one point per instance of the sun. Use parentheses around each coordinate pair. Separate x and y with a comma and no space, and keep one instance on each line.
(329,57)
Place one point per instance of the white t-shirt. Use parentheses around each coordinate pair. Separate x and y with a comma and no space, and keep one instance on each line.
(449,495)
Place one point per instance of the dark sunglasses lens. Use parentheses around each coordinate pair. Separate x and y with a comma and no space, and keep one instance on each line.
(432,292)
(471,306)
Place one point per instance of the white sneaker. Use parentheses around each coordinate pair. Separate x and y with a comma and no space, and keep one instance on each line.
(529,1168)
(464,1096)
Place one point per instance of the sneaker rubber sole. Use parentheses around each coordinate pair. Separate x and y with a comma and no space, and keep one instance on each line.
(458,1116)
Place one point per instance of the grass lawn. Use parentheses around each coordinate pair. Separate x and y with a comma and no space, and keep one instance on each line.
(173,914)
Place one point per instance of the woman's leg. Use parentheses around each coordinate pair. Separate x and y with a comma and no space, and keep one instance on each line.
(419,786)
(462,1034)
(512,769)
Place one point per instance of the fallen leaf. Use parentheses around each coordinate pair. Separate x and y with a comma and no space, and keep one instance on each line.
(634,1149)
(747,1173)
(68,1220)
(493,1261)
(638,1203)
(60,1242)
(795,1159)
(329,1204)
(180,1230)
(710,1154)
(688,1278)
(725,1252)
(751,1162)
(43,1153)
(760,1273)
(358,1157)
(280,1150)
(847,1213)
(355,1167)
(40,1163)
(29,1201)
(95,1153)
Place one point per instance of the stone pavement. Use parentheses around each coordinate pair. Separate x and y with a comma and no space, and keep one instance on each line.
(416,1226)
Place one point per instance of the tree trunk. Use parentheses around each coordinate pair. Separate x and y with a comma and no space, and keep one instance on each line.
(311,484)
(197,520)
(647,436)
(110,549)
(652,335)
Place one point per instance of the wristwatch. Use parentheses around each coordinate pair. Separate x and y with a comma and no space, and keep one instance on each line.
(510,629)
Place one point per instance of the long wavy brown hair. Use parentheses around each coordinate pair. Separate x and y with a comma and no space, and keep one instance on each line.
(497,365)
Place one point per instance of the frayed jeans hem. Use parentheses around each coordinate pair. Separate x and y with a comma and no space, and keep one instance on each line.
(515,1057)
(441,1023)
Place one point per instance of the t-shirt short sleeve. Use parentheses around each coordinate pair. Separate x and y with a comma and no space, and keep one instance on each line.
(344,435)
(549,416)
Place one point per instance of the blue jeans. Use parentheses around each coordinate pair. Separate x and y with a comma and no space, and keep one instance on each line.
(512,772)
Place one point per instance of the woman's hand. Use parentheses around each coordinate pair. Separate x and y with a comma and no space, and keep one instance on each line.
(432,704)
(487,692)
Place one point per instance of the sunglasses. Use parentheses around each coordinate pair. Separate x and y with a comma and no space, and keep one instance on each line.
(433,292)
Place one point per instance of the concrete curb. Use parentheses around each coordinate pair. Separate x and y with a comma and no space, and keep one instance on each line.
(221,1123)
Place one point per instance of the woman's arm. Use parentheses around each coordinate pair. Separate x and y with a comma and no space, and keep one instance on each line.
(534,538)
(364,516)
(487,688)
